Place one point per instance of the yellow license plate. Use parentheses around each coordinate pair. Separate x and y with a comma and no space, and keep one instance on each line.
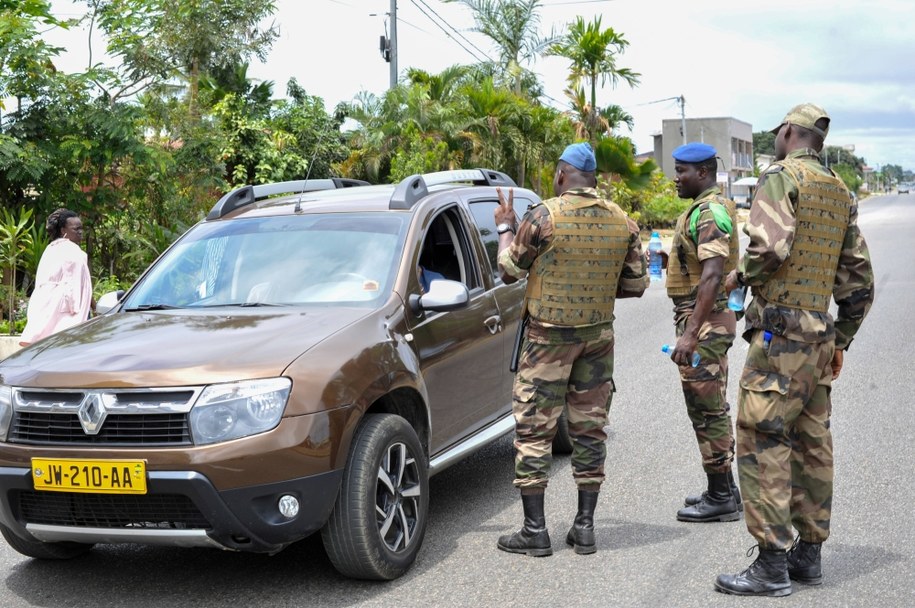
(92,476)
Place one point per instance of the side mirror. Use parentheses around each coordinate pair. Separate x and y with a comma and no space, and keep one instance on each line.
(443,295)
(108,301)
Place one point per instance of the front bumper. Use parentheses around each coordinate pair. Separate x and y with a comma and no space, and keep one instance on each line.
(180,508)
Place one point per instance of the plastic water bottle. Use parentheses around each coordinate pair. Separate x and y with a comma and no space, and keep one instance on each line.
(667,348)
(736,298)
(767,340)
(654,256)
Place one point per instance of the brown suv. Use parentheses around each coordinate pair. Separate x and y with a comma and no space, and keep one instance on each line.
(279,370)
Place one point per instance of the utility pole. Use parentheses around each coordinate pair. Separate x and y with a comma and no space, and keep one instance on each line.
(393,58)
(682,101)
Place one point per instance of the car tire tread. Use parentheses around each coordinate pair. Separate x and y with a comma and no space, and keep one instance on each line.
(350,536)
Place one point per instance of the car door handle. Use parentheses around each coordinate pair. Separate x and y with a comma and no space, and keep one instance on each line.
(493,324)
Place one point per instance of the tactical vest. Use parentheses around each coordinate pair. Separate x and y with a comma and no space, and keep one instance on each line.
(683,266)
(573,282)
(805,280)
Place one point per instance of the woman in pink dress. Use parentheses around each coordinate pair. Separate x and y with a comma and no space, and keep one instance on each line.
(63,287)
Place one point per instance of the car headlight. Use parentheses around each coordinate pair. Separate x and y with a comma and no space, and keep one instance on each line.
(6,410)
(238,409)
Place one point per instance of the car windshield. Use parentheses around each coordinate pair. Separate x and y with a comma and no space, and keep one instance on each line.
(328,258)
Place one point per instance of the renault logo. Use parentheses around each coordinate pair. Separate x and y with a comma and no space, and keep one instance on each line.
(92,413)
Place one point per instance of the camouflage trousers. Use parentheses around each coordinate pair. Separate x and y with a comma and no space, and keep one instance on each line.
(552,378)
(705,390)
(784,445)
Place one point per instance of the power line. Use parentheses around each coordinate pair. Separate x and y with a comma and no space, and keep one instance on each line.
(415,27)
(439,26)
(474,55)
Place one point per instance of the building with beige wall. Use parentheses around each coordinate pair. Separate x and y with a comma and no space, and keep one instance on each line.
(732,138)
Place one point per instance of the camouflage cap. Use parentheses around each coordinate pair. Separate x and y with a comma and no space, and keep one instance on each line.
(806,115)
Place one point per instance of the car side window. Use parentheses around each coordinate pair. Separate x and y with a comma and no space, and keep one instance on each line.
(483,216)
(446,251)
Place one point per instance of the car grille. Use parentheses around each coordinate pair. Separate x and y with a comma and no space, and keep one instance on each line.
(151,512)
(118,429)
(110,417)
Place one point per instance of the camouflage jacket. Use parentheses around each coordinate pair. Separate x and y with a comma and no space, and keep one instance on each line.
(712,240)
(771,228)
(534,233)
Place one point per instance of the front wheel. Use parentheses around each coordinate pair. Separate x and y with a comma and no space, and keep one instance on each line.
(40,550)
(379,518)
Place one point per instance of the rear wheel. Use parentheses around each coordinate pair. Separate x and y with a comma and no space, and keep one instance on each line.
(562,441)
(40,550)
(379,519)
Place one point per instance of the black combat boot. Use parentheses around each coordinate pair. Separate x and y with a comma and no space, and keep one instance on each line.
(581,534)
(533,538)
(804,562)
(768,576)
(694,498)
(717,503)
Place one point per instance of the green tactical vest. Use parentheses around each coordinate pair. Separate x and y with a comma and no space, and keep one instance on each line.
(574,281)
(805,280)
(683,267)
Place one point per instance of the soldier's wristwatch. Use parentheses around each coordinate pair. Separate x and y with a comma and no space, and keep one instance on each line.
(503,228)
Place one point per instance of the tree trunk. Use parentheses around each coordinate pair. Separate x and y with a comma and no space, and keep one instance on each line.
(194,82)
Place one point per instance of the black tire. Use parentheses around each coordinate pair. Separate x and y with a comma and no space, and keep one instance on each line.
(378,521)
(40,550)
(562,441)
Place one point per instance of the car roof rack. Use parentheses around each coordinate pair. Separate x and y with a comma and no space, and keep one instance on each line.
(415,187)
(247,195)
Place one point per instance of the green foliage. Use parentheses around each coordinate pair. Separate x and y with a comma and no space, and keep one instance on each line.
(419,154)
(513,26)
(655,205)
(592,52)
(15,238)
(107,284)
(847,172)
(18,326)
(764,143)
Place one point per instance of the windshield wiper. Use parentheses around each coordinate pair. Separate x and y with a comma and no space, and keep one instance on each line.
(240,304)
(151,307)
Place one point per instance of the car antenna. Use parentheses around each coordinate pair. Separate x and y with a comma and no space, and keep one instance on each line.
(298,203)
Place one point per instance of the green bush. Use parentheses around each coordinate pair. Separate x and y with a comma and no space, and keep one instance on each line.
(104,285)
(5,327)
(654,206)
(662,210)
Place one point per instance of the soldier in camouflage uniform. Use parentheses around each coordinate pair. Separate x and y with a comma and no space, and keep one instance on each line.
(704,250)
(805,248)
(579,253)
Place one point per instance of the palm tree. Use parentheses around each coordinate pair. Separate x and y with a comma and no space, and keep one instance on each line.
(514,27)
(593,54)
(15,239)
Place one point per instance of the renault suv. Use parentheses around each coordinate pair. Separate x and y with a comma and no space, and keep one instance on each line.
(302,360)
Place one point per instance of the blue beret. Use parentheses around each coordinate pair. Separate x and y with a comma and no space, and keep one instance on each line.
(580,156)
(694,152)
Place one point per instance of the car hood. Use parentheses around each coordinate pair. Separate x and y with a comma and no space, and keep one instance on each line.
(175,348)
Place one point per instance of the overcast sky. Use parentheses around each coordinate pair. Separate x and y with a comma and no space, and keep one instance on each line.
(749,60)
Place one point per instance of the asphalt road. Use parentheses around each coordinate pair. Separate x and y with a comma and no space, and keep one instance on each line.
(645,557)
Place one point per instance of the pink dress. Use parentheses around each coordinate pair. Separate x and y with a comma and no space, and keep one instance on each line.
(63,291)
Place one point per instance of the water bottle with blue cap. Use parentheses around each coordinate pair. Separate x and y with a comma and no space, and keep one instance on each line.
(667,348)
(654,256)
(736,298)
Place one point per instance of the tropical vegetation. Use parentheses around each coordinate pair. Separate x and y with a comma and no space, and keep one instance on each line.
(166,118)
